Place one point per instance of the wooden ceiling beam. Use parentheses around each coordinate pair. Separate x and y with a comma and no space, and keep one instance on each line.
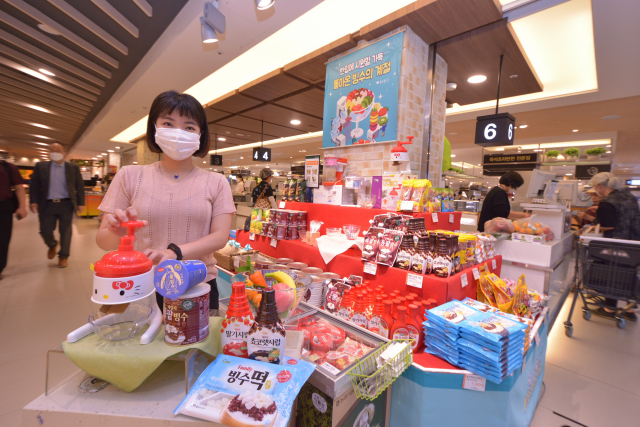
(119,18)
(48,101)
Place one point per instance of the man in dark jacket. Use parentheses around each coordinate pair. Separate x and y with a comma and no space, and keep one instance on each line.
(56,191)
(11,184)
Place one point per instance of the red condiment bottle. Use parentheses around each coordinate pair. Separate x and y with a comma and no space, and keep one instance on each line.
(410,299)
(386,323)
(403,300)
(415,328)
(399,331)
(236,323)
(420,313)
(376,316)
(365,300)
(394,311)
(359,316)
(413,294)
(345,310)
(434,302)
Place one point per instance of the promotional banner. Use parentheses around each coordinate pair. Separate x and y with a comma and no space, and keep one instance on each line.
(312,170)
(361,95)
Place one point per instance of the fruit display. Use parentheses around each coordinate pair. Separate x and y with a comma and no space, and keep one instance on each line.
(359,102)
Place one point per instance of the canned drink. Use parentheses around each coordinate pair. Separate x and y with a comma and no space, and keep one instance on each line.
(173,278)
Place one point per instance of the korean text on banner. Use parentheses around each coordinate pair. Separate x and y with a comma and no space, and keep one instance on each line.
(361,94)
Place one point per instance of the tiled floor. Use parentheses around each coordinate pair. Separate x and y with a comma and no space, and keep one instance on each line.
(592,379)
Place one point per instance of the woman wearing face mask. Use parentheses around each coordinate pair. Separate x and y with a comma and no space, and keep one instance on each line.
(266,175)
(187,209)
(496,204)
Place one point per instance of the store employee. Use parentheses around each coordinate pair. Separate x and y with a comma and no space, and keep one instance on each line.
(496,204)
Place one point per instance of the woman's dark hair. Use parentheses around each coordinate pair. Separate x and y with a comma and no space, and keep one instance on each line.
(187,105)
(512,179)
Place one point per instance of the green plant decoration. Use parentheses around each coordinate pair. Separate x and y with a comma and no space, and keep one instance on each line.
(571,151)
(455,169)
(552,153)
(596,151)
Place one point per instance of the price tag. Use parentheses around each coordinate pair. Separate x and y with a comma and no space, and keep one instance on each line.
(370,268)
(464,280)
(537,339)
(476,273)
(406,205)
(434,217)
(281,205)
(451,218)
(473,382)
(252,236)
(330,368)
(274,242)
(415,280)
(493,264)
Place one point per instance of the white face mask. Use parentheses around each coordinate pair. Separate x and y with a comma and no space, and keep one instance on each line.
(56,157)
(178,144)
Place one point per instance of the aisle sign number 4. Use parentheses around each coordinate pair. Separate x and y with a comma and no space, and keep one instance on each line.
(261,154)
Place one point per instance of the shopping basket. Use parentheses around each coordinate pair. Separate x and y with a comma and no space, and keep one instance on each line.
(605,268)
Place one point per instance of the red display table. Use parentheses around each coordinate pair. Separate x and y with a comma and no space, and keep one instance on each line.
(337,216)
(350,262)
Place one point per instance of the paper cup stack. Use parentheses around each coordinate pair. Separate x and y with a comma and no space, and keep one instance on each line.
(314,294)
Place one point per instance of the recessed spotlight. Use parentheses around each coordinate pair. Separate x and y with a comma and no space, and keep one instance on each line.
(215,170)
(264,4)
(117,148)
(239,134)
(568,174)
(608,145)
(94,158)
(513,76)
(241,158)
(453,155)
(451,86)
(204,162)
(135,163)
(476,79)
(267,166)
(48,29)
(608,152)
(615,116)
(104,154)
(575,130)
(291,157)
(523,126)
(221,139)
(99,155)
(111,151)
(295,122)
(47,72)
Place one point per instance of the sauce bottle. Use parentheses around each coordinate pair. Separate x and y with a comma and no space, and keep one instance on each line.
(376,317)
(431,253)
(415,329)
(359,316)
(236,323)
(386,322)
(394,310)
(419,313)
(346,306)
(266,336)
(399,331)
(442,261)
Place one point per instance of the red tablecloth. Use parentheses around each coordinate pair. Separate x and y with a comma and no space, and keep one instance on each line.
(350,262)
(337,216)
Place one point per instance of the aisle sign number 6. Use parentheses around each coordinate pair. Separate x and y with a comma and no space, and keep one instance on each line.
(490,131)
(495,130)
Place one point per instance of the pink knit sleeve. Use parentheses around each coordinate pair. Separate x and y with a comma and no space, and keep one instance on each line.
(118,195)
(222,197)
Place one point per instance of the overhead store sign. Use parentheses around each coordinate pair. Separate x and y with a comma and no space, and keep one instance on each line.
(495,130)
(492,159)
(361,94)
(216,160)
(261,154)
(588,171)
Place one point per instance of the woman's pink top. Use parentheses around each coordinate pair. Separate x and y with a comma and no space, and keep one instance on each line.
(178,212)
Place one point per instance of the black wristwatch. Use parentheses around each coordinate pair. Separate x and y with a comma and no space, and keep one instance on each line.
(175,249)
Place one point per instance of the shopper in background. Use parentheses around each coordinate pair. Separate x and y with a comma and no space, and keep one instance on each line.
(587,217)
(496,204)
(188,210)
(12,200)
(239,185)
(619,218)
(264,188)
(55,192)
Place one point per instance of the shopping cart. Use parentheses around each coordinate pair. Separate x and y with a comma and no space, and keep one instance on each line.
(605,268)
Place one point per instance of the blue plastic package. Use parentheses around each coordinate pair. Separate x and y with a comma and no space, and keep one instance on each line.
(491,327)
(453,313)
(246,393)
(485,353)
(479,305)
(500,346)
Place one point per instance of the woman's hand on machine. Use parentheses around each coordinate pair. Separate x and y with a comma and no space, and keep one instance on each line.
(158,256)
(119,216)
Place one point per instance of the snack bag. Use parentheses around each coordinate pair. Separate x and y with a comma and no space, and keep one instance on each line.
(378,220)
(405,192)
(372,244)
(256,214)
(479,305)
(241,392)
(389,244)
(503,300)
(285,190)
(422,203)
(485,288)
(266,215)
(300,190)
(521,304)
(293,188)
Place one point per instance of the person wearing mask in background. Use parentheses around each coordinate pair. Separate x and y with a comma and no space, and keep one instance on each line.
(11,184)
(496,204)
(187,210)
(619,218)
(56,191)
(266,175)
(588,216)
(239,185)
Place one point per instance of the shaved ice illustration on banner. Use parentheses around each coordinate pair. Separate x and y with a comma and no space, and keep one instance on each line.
(361,95)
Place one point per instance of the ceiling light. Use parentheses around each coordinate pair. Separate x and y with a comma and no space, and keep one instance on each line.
(295,122)
(104,154)
(47,72)
(513,76)
(291,157)
(110,151)
(476,79)
(267,166)
(241,158)
(117,148)
(222,139)
(453,155)
(451,86)
(35,107)
(575,130)
(94,158)
(48,29)
(204,162)
(135,163)
(523,126)
(39,125)
(264,4)
(215,170)
(608,145)
(608,152)
(41,136)
(568,174)
(212,22)
(615,116)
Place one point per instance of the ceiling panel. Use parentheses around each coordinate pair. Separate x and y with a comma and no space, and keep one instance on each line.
(278,115)
(233,102)
(95,47)
(311,101)
(272,85)
(478,53)
(312,67)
